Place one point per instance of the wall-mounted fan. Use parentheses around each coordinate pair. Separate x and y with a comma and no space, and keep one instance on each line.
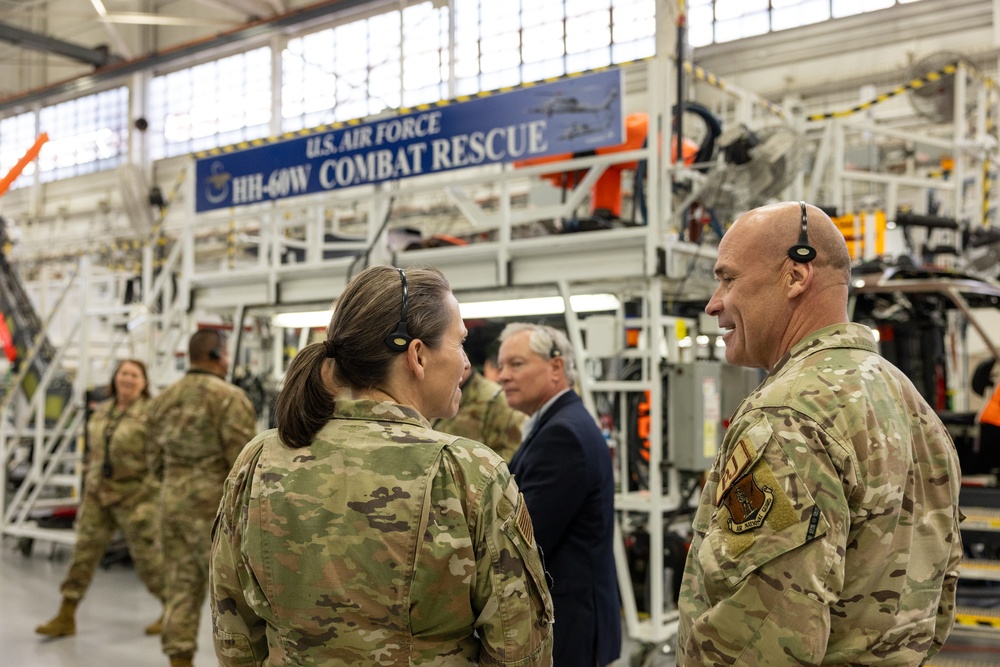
(756,165)
(934,99)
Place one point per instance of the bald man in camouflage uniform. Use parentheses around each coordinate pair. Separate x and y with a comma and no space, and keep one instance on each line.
(198,427)
(484,416)
(418,575)
(828,529)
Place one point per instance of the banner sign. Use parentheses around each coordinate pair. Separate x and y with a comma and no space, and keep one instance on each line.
(571,115)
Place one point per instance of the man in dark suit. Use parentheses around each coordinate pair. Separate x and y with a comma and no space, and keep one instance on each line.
(563,468)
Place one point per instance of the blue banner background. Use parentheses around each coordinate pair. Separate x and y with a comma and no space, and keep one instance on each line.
(572,115)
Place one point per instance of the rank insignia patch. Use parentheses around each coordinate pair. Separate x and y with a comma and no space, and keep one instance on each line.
(748,504)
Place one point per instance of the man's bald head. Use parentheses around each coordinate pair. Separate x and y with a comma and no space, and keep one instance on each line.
(768,301)
(771,230)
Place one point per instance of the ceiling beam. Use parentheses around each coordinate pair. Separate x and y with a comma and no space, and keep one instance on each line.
(322,11)
(250,8)
(97,57)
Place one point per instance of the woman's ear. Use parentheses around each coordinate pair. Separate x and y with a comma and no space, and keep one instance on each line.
(416,358)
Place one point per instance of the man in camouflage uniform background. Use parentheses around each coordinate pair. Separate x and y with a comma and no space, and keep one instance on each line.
(483,415)
(197,426)
(827,531)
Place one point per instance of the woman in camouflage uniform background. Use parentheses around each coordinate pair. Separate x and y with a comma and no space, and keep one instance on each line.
(118,494)
(354,533)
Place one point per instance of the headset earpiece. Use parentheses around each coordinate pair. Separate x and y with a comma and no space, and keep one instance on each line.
(215,354)
(554,350)
(400,339)
(802,252)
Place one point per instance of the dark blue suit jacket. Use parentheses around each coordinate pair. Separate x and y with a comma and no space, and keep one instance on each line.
(564,470)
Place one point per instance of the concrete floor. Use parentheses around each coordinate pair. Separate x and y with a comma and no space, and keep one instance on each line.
(109,620)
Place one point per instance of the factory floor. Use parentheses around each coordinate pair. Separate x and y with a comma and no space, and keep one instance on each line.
(111,618)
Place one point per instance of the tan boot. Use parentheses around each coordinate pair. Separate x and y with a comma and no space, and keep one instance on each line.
(156,627)
(63,624)
(181,661)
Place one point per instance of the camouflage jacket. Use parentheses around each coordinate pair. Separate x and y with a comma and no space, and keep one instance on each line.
(122,434)
(827,531)
(382,543)
(485,417)
(197,427)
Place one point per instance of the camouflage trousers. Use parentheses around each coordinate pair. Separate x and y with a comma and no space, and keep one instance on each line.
(137,518)
(187,545)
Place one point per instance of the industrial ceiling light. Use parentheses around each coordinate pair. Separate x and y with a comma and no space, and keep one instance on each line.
(548,305)
(302,320)
(545,305)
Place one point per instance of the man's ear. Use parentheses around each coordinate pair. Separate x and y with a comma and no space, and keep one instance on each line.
(416,358)
(558,366)
(799,277)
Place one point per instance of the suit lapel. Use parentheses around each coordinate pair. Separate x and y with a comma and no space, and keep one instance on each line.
(560,403)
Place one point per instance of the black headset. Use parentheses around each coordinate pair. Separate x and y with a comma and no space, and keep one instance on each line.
(554,351)
(400,339)
(215,353)
(802,252)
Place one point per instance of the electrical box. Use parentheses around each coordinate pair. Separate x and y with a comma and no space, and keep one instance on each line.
(605,337)
(738,382)
(695,416)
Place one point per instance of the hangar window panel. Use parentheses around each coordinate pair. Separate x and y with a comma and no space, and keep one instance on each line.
(632,21)
(587,6)
(546,69)
(850,7)
(383,38)
(643,48)
(309,85)
(207,105)
(743,26)
(535,13)
(731,9)
(499,53)
(799,13)
(700,24)
(499,18)
(385,87)
(17,134)
(466,46)
(579,62)
(542,42)
(421,70)
(86,134)
(495,40)
(501,79)
(584,33)
(425,54)
(710,21)
(466,60)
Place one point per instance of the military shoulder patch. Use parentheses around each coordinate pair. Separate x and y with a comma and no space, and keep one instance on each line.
(742,456)
(748,504)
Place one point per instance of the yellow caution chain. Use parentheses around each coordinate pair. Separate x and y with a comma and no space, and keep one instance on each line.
(913,84)
(701,74)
